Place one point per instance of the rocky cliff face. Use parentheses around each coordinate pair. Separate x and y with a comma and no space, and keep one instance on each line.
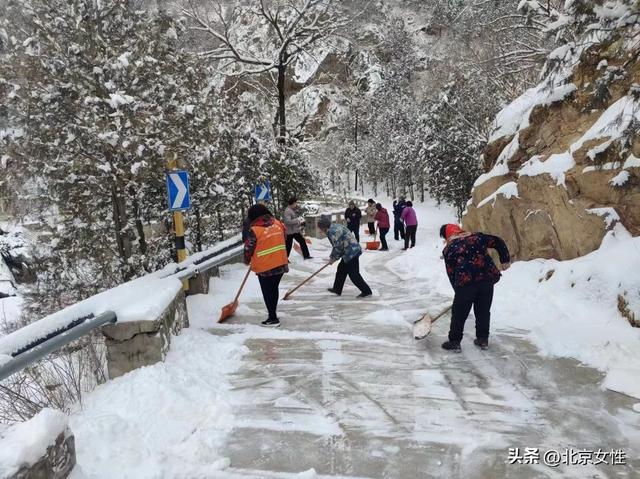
(563,164)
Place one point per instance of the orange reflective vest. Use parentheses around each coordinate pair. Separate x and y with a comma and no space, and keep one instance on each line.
(271,251)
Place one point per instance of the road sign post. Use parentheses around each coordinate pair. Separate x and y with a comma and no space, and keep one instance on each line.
(263,192)
(179,201)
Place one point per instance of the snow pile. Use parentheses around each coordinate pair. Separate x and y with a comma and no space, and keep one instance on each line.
(23,444)
(508,190)
(515,116)
(556,166)
(609,215)
(166,420)
(612,123)
(620,179)
(632,162)
(575,312)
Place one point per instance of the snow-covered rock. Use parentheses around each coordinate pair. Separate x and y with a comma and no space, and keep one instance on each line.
(41,445)
(570,151)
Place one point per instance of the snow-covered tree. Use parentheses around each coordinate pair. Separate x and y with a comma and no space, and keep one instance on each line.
(101,95)
(286,30)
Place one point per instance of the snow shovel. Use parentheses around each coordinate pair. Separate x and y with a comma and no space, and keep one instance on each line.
(422,326)
(374,245)
(229,309)
(291,291)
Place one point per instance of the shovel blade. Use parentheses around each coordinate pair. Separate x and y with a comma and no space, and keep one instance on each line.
(228,311)
(422,327)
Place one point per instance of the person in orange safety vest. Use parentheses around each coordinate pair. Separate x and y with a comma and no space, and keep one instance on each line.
(265,249)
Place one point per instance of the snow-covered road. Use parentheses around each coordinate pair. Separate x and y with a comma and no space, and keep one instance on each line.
(342,388)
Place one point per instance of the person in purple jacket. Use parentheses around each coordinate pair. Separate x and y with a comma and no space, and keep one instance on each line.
(411,222)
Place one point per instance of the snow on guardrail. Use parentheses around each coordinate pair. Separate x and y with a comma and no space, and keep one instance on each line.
(136,300)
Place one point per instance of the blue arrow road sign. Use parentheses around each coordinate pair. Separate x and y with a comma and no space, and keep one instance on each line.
(178,190)
(263,191)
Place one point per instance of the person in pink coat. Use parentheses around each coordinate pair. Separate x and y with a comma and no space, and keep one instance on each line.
(411,223)
(382,217)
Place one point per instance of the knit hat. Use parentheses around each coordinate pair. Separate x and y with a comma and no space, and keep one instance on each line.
(256,211)
(448,230)
(378,206)
(324,222)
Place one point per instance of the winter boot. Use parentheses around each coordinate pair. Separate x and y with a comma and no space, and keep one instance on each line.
(452,346)
(482,343)
(364,295)
(331,290)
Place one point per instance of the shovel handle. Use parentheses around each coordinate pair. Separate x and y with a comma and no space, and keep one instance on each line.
(244,280)
(290,292)
(442,313)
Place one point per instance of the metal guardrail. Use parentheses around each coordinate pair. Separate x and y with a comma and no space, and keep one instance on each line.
(40,348)
(206,262)
(76,328)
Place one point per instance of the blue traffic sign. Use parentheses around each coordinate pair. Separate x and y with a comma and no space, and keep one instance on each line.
(263,191)
(178,190)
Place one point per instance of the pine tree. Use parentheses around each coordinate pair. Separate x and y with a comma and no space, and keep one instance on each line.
(101,93)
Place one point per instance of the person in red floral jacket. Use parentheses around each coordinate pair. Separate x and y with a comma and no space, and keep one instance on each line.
(472,274)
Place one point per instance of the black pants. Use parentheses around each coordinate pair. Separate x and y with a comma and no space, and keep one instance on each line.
(372,227)
(301,241)
(351,269)
(383,239)
(410,234)
(269,286)
(398,230)
(479,295)
(356,232)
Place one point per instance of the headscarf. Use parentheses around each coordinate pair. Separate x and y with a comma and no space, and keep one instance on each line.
(451,230)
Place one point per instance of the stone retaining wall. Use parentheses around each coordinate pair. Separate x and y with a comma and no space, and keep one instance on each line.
(134,344)
(57,463)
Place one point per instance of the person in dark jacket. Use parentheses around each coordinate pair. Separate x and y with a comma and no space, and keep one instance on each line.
(265,250)
(348,251)
(472,274)
(382,217)
(398,225)
(353,215)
